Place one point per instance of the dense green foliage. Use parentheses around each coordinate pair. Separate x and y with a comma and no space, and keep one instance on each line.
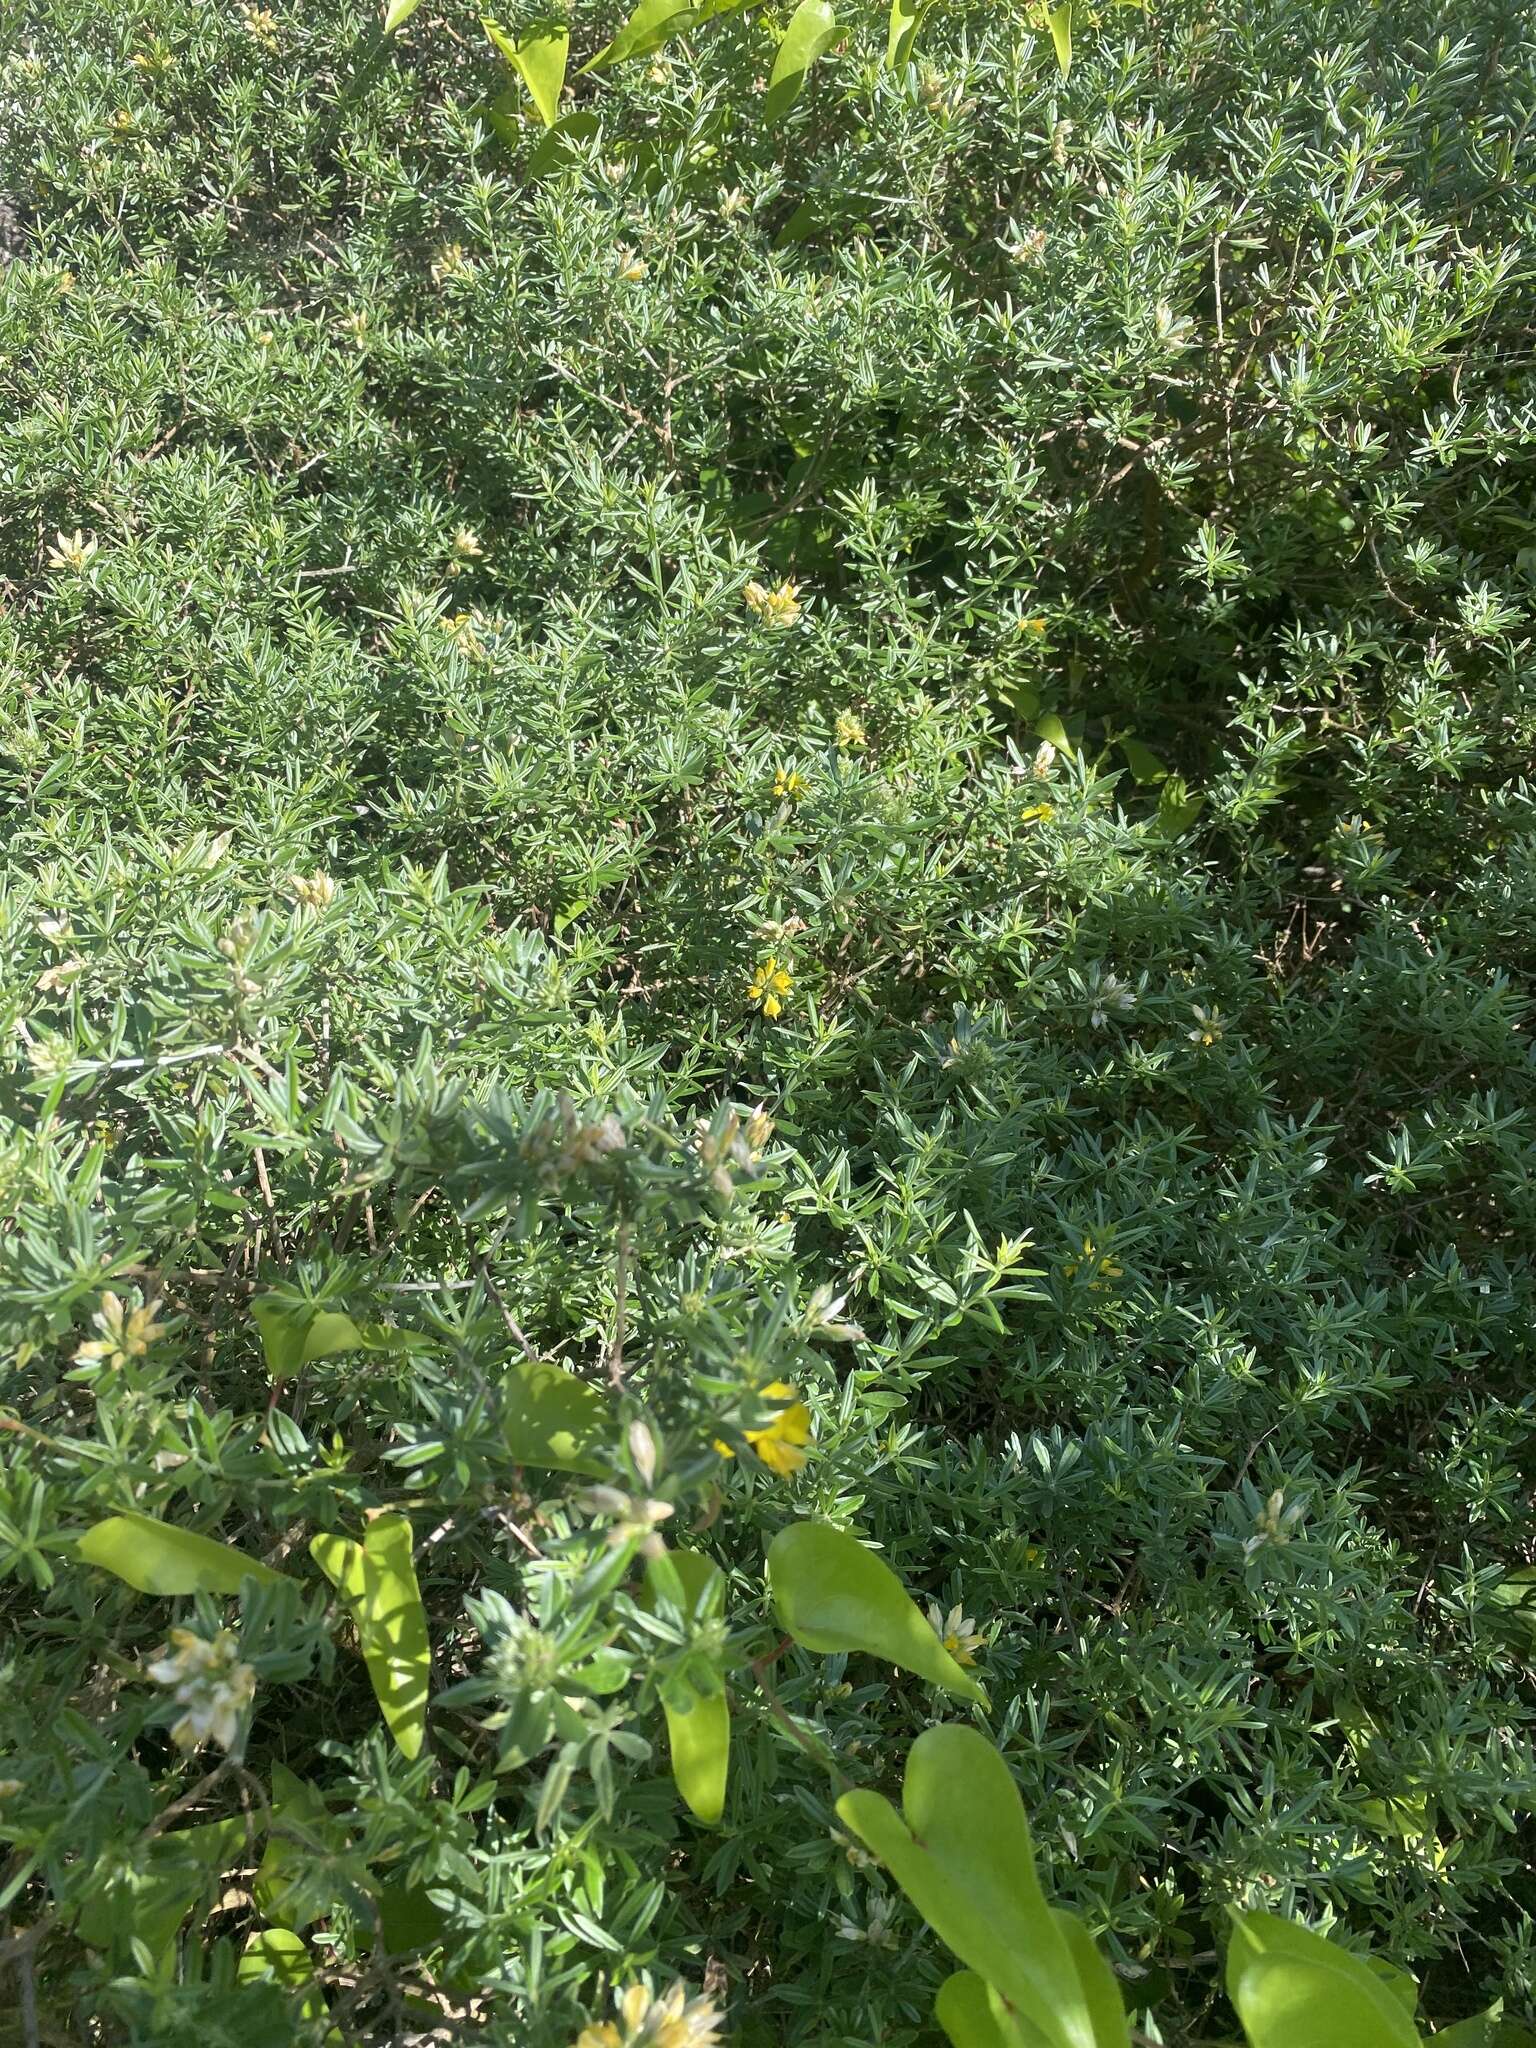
(402,723)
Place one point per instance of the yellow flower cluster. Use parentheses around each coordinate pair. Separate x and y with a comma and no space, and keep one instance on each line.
(674,2020)
(769,986)
(781,1445)
(1096,1263)
(778,607)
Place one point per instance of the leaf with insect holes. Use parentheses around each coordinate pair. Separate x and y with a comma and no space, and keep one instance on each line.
(832,1595)
(377,1580)
(157,1557)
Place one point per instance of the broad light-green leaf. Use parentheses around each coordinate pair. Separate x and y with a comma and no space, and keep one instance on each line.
(278,1953)
(555,1421)
(157,1557)
(907,17)
(539,59)
(647,28)
(1059,21)
(960,1850)
(972,2015)
(832,1595)
(400,12)
(699,1737)
(293,1335)
(377,1580)
(1293,1989)
(812,28)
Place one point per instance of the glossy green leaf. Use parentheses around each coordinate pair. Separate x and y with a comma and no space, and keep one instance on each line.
(1294,1989)
(647,28)
(539,59)
(377,1580)
(292,1887)
(698,1735)
(907,17)
(554,148)
(400,12)
(1487,2029)
(1059,22)
(960,1850)
(1101,1988)
(972,2014)
(279,1954)
(555,1421)
(812,29)
(833,1595)
(293,1334)
(149,1901)
(157,1557)
(1142,762)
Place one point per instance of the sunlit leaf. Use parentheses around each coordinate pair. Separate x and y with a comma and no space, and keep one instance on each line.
(647,28)
(812,29)
(157,1557)
(538,57)
(377,1580)
(1294,1989)
(400,12)
(960,1849)
(555,1421)
(278,1953)
(148,1900)
(972,2014)
(1059,21)
(698,1735)
(833,1595)
(907,17)
(1142,762)
(292,1334)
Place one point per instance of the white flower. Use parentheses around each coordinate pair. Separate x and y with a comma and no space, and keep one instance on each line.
(1108,996)
(956,1631)
(210,1682)
(72,551)
(1209,1028)
(674,2020)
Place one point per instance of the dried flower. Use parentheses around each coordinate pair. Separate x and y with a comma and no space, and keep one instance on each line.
(261,26)
(210,1682)
(634,1518)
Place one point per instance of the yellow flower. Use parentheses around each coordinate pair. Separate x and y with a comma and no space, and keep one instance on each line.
(312,892)
(778,607)
(1037,814)
(121,122)
(261,26)
(1096,1263)
(769,985)
(72,551)
(630,267)
(1035,627)
(460,628)
(674,2020)
(780,1444)
(789,785)
(956,1631)
(849,731)
(356,325)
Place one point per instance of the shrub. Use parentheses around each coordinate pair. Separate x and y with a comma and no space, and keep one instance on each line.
(1030,578)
